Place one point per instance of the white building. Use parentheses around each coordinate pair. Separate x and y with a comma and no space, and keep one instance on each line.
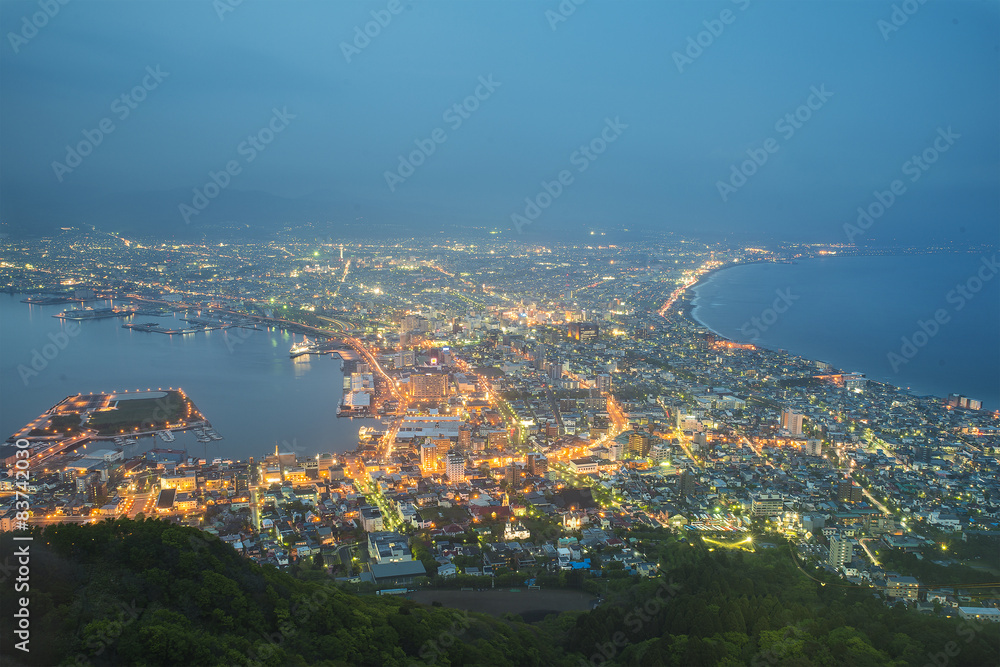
(841,550)
(456,467)
(659,453)
(386,547)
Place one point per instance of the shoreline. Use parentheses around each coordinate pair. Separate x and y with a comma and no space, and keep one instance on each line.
(688,308)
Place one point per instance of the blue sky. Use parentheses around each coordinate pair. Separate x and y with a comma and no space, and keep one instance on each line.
(892,90)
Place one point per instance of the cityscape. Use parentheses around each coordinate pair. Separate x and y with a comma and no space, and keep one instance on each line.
(528,407)
(550,333)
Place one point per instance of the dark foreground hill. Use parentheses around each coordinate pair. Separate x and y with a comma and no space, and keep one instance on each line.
(152,593)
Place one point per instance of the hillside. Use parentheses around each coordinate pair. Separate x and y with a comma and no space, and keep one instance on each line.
(152,593)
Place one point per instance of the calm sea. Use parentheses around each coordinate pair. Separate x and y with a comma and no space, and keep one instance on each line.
(249,389)
(854,311)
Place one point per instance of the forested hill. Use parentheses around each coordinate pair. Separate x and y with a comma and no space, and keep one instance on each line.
(151,593)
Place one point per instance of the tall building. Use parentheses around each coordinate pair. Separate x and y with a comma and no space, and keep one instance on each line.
(538,465)
(659,453)
(539,360)
(415,323)
(583,331)
(767,504)
(428,386)
(512,474)
(687,483)
(615,450)
(429,457)
(603,383)
(638,444)
(497,439)
(959,401)
(841,550)
(456,467)
(848,491)
(464,437)
(792,422)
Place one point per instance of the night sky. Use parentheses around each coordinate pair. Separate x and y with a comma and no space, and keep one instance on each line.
(646,128)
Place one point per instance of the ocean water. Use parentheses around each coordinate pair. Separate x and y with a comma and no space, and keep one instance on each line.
(929,323)
(243,381)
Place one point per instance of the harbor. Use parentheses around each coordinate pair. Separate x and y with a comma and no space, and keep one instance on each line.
(332,346)
(120,419)
(198,324)
(220,370)
(94,313)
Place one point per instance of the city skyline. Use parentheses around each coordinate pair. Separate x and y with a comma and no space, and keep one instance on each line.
(543,333)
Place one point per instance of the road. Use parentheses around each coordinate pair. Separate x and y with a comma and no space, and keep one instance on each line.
(882,508)
(141,502)
(555,406)
(695,277)
(52,520)
(871,556)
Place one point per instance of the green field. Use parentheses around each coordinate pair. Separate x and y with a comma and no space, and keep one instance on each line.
(142,414)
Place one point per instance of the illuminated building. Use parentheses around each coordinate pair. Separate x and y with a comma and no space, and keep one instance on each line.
(428,386)
(767,504)
(792,422)
(583,331)
(538,465)
(638,444)
(456,467)
(841,551)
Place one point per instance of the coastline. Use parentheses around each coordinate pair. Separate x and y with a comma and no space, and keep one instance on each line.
(688,306)
(920,384)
